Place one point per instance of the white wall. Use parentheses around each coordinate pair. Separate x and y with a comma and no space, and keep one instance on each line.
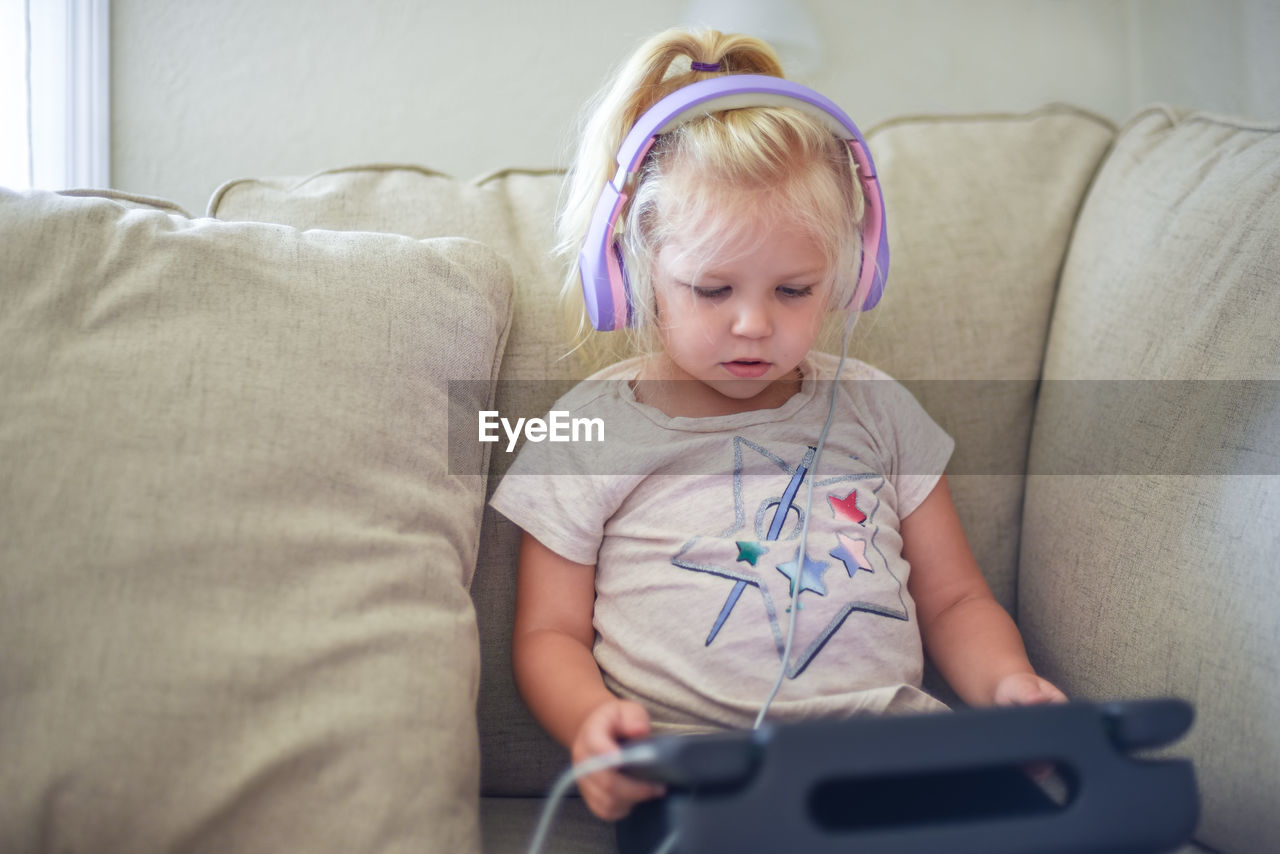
(207,91)
(1221,56)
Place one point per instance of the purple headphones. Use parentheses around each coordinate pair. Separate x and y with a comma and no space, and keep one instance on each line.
(605,285)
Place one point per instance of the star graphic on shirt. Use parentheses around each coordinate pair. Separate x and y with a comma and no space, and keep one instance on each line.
(848,507)
(852,553)
(768,502)
(810,575)
(749,552)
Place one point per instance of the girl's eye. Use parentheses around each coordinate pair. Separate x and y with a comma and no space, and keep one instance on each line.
(710,293)
(794,292)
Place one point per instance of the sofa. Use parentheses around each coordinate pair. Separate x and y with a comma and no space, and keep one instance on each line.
(251,595)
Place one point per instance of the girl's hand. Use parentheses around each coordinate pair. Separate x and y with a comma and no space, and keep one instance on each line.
(611,794)
(1026,689)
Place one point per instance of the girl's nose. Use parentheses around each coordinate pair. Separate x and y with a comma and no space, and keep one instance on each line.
(752,320)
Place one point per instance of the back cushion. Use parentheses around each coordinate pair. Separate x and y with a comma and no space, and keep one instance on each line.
(980,212)
(1150,535)
(513,212)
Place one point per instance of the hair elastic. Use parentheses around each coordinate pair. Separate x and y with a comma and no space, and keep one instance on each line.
(704,66)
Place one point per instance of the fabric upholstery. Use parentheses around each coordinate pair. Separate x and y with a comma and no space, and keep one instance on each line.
(980,212)
(233,559)
(512,212)
(1152,522)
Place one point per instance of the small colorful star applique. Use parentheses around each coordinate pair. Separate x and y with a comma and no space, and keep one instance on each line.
(810,575)
(749,552)
(767,508)
(848,507)
(852,553)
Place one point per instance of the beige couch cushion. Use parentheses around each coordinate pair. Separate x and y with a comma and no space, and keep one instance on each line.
(980,212)
(513,212)
(233,561)
(1150,535)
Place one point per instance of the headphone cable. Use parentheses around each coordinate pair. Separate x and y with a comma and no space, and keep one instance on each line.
(636,754)
(804,528)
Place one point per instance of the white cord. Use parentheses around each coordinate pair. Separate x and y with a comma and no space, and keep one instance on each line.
(669,843)
(804,528)
(636,754)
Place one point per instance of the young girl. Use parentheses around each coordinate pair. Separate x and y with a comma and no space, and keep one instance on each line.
(656,579)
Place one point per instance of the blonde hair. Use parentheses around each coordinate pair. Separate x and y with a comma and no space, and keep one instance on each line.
(786,165)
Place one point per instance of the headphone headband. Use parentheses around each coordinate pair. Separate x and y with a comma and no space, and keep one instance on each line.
(605,285)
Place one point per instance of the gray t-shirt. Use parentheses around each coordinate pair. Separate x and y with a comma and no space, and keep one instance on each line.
(693,525)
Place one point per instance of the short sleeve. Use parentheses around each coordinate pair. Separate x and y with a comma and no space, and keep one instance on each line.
(563,493)
(917,449)
(565,512)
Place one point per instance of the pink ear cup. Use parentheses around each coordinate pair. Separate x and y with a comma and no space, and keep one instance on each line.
(605,285)
(874,268)
(604,276)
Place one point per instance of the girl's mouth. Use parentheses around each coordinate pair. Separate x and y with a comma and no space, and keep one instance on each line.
(747,368)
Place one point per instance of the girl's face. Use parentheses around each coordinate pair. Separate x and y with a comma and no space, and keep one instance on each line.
(740,321)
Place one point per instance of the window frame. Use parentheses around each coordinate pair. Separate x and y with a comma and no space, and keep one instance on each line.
(69,93)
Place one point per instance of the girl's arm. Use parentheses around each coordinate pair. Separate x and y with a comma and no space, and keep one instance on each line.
(558,677)
(967,634)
